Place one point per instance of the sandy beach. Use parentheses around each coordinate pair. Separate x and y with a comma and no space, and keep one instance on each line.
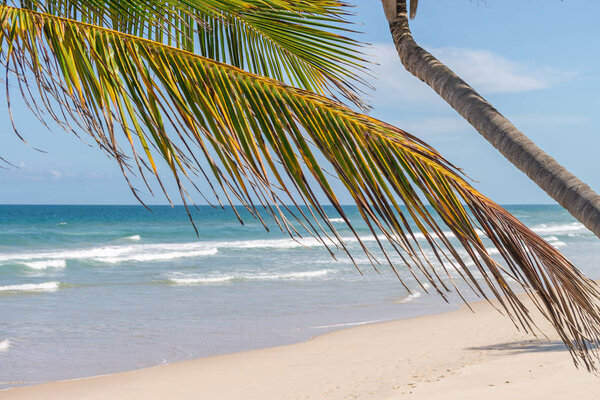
(454,355)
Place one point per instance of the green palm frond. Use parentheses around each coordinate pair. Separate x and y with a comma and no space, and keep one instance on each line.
(316,55)
(302,42)
(260,141)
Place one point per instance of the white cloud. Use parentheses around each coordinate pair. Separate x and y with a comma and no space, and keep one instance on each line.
(394,86)
(486,71)
(55,174)
(24,172)
(491,73)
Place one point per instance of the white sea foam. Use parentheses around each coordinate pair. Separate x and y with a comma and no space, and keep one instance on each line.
(4,344)
(45,264)
(143,252)
(410,297)
(336,220)
(134,238)
(114,254)
(32,287)
(447,234)
(289,243)
(559,228)
(165,256)
(348,324)
(62,223)
(273,243)
(554,241)
(290,275)
(197,279)
(170,251)
(492,250)
(183,279)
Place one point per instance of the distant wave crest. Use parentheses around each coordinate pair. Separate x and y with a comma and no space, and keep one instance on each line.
(151,252)
(151,256)
(554,241)
(45,264)
(110,254)
(156,252)
(492,250)
(559,228)
(179,278)
(410,297)
(133,238)
(347,324)
(32,287)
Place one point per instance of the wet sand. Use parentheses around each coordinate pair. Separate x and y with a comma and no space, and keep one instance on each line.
(454,355)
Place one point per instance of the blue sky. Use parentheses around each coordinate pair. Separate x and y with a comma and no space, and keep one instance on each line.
(536,61)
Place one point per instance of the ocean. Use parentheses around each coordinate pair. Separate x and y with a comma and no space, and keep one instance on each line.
(89,290)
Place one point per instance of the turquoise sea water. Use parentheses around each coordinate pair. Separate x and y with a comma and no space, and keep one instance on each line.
(87,290)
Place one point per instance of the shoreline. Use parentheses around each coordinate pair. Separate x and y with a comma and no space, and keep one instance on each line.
(454,354)
(322,330)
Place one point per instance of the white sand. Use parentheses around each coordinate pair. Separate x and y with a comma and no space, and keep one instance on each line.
(456,355)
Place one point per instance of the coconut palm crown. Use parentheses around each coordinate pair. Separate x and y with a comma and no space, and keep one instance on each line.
(247,97)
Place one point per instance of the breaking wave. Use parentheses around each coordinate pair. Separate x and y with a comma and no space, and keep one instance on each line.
(133,238)
(554,241)
(156,252)
(559,228)
(410,297)
(32,287)
(149,257)
(45,264)
(179,278)
(348,324)
(110,254)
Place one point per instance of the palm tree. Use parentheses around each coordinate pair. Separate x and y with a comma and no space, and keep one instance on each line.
(560,184)
(198,86)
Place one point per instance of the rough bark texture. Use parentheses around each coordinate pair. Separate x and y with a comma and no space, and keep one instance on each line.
(564,187)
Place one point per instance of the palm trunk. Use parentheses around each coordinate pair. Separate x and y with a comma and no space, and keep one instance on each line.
(564,187)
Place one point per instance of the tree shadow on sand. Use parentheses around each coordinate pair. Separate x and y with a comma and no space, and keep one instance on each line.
(523,346)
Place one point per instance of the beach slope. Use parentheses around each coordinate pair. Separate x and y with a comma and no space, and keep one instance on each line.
(455,355)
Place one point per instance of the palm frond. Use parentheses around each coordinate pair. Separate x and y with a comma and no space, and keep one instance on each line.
(414,4)
(309,38)
(260,141)
(302,42)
